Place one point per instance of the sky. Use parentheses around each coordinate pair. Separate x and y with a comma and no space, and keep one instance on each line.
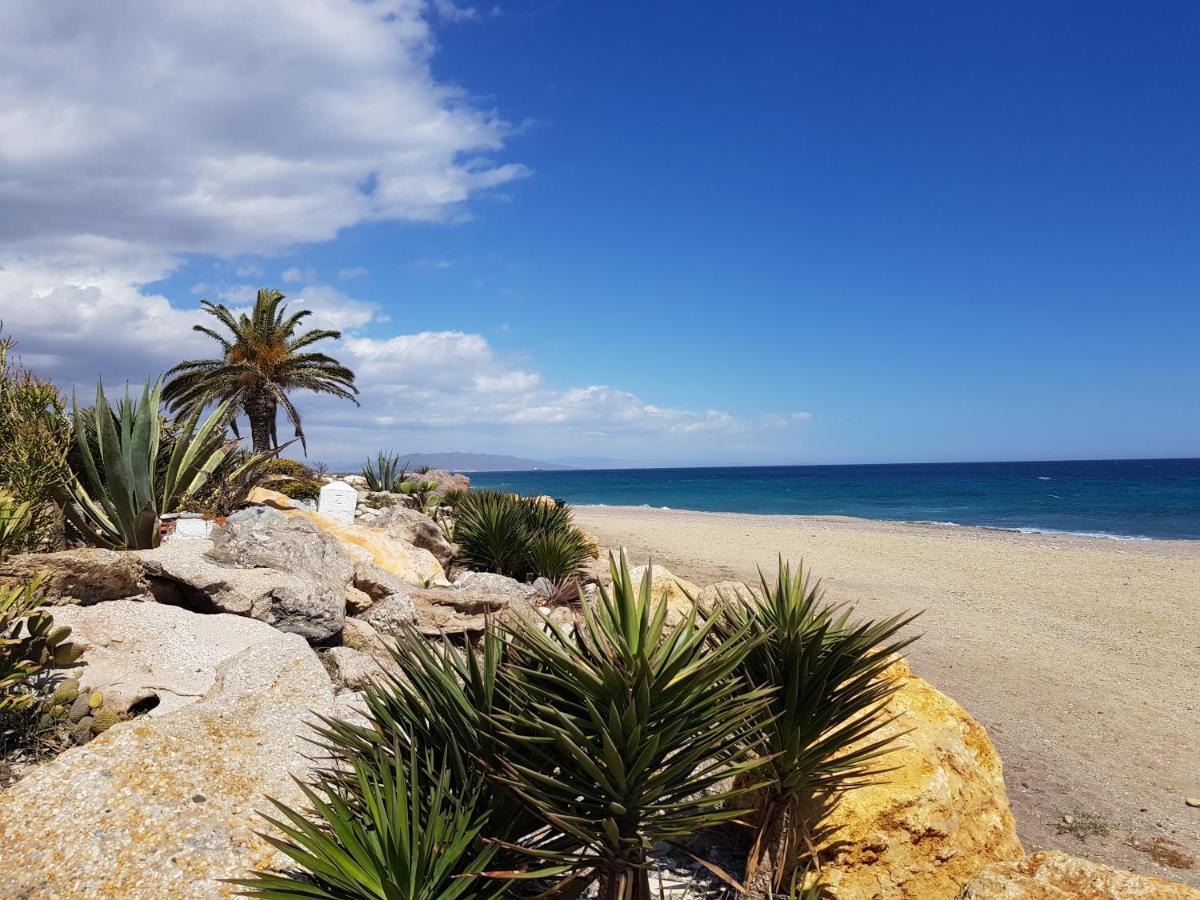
(654,233)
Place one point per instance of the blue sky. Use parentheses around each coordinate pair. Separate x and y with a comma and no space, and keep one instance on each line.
(671,233)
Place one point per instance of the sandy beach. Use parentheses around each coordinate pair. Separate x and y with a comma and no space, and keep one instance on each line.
(1081,656)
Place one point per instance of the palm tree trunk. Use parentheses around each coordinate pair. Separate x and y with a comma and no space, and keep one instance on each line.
(260,410)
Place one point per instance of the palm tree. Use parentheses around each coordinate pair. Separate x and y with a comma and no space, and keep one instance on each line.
(258,366)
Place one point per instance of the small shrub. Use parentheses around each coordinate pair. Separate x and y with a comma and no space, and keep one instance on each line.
(298,489)
(35,435)
(288,468)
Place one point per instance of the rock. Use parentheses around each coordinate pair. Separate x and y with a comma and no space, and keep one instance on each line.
(351,706)
(937,818)
(413,565)
(1192,801)
(357,601)
(498,586)
(269,498)
(446,481)
(377,583)
(677,591)
(181,573)
(153,656)
(725,593)
(390,615)
(258,515)
(290,545)
(351,669)
(165,806)
(417,529)
(355,481)
(79,577)
(361,635)
(1054,875)
(464,607)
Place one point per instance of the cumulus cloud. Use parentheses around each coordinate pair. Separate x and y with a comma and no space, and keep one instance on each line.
(137,135)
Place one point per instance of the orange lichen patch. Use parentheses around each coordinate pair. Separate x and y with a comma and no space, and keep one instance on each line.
(1053,875)
(411,564)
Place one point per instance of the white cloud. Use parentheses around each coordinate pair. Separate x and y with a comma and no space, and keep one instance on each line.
(137,134)
(134,133)
(452,12)
(352,272)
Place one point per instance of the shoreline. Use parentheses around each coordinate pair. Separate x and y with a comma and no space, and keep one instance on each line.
(1080,655)
(954,527)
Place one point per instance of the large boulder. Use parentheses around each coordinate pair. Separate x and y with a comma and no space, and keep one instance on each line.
(183,574)
(446,481)
(167,805)
(1054,875)
(413,565)
(154,656)
(79,577)
(266,539)
(936,819)
(417,529)
(351,669)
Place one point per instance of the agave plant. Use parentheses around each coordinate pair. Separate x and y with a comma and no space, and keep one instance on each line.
(29,642)
(384,472)
(124,484)
(826,709)
(618,735)
(408,832)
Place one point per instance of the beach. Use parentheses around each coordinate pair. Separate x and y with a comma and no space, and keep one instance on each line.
(1080,655)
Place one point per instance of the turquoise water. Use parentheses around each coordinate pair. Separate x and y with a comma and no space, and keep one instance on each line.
(1152,498)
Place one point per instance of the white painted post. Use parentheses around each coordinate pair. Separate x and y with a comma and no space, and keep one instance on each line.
(338,501)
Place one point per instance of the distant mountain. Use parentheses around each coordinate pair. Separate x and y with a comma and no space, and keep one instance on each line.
(475,462)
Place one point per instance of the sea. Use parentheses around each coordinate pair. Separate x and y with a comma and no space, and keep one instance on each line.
(1120,498)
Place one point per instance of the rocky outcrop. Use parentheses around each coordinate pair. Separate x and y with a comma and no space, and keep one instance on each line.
(165,805)
(446,481)
(412,565)
(936,819)
(183,574)
(1053,875)
(152,656)
(417,529)
(79,577)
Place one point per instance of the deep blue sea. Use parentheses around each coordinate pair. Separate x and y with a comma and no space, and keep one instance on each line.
(1139,498)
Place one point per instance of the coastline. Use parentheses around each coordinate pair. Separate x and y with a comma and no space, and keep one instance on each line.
(1079,654)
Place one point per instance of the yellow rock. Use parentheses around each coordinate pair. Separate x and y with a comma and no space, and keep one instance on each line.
(678,591)
(264,497)
(1054,875)
(941,815)
(413,565)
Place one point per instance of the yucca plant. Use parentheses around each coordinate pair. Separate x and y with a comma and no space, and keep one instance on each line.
(520,537)
(489,527)
(123,484)
(826,709)
(29,642)
(436,697)
(384,472)
(558,555)
(406,832)
(617,734)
